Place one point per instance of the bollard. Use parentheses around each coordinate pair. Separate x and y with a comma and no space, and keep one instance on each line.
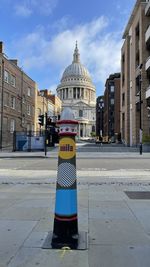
(65,231)
(65,228)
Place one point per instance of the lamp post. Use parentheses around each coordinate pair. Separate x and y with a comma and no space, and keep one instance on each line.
(2,107)
(140,100)
(101,105)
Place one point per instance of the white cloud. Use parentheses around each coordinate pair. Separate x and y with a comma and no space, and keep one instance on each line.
(52,88)
(99,49)
(23,10)
(28,7)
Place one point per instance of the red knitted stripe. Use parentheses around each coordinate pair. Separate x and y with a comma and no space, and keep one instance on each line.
(67,122)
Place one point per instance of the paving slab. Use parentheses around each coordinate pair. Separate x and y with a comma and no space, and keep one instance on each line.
(19,213)
(109,210)
(12,236)
(141,209)
(33,257)
(117,232)
(119,256)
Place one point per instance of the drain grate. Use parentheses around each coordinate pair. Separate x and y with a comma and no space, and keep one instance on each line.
(138,194)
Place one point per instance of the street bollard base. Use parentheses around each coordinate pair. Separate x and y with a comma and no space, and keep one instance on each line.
(80,244)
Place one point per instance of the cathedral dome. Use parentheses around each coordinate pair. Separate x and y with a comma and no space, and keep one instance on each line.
(76,69)
(76,83)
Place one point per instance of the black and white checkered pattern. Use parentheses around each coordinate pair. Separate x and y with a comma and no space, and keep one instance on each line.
(66,175)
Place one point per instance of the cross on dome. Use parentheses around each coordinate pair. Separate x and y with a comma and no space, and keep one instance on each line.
(76,55)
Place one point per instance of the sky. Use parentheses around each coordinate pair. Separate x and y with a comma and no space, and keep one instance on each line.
(42,34)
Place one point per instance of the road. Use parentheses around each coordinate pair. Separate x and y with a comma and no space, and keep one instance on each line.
(117,226)
(82,163)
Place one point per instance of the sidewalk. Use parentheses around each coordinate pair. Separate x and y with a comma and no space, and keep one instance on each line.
(54,154)
(118,227)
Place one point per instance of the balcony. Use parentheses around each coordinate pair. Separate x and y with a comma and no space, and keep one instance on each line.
(147,36)
(147,9)
(148,92)
(147,65)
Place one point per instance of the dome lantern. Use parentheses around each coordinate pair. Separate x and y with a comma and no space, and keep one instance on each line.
(76,55)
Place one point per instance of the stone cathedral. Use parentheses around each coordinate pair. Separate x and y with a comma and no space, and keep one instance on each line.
(77,91)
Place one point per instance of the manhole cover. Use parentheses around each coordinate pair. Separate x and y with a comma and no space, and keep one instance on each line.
(138,194)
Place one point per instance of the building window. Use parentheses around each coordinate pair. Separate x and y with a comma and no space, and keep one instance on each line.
(12,125)
(6,79)
(112,101)
(23,99)
(13,102)
(29,91)
(23,120)
(112,88)
(28,109)
(28,127)
(13,80)
(6,99)
(80,113)
(123,99)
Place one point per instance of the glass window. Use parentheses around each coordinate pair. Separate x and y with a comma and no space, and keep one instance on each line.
(5,124)
(112,101)
(13,80)
(13,102)
(80,113)
(28,109)
(12,125)
(29,91)
(28,127)
(23,99)
(123,99)
(6,76)
(6,99)
(112,88)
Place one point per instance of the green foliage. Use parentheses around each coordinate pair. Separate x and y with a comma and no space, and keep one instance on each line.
(146,139)
(93,134)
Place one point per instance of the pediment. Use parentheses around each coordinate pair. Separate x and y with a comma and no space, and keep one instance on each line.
(81,104)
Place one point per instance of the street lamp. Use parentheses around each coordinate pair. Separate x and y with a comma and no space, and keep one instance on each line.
(101,105)
(2,107)
(140,100)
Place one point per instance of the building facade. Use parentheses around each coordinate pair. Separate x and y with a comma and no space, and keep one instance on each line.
(17,99)
(46,102)
(100,116)
(112,107)
(77,91)
(135,75)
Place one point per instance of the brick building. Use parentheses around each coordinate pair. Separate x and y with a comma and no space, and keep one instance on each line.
(100,116)
(135,75)
(112,107)
(17,99)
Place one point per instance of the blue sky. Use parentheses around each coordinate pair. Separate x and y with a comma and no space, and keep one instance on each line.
(41,34)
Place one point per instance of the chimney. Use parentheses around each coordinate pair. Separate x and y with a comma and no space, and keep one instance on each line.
(14,61)
(1,47)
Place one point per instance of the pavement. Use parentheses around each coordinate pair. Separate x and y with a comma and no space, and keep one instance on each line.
(117,223)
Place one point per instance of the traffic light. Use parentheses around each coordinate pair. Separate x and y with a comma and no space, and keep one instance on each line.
(49,121)
(41,120)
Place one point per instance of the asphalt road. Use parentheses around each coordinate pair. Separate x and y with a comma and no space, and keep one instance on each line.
(82,164)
